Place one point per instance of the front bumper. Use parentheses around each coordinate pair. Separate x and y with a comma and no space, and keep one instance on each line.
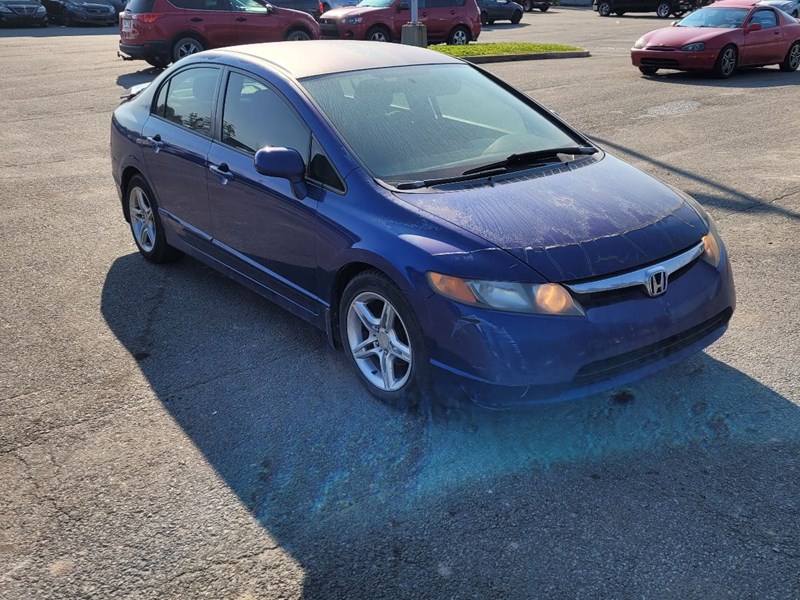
(332,29)
(500,360)
(674,59)
(95,19)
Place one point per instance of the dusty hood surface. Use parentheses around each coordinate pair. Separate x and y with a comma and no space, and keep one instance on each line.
(574,223)
(676,37)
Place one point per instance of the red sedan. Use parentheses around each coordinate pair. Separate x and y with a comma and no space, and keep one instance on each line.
(720,38)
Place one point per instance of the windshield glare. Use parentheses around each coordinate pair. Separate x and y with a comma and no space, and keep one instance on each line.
(430,121)
(726,18)
(375,3)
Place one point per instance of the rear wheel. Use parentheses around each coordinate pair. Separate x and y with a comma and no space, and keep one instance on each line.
(298,35)
(544,7)
(663,10)
(516,17)
(792,60)
(146,227)
(604,9)
(379,34)
(484,18)
(527,5)
(459,36)
(648,70)
(186,47)
(726,62)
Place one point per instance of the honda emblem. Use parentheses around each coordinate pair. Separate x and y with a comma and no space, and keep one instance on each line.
(657,283)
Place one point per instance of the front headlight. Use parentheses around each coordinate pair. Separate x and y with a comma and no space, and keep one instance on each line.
(696,47)
(41,9)
(712,245)
(542,299)
(640,43)
(352,20)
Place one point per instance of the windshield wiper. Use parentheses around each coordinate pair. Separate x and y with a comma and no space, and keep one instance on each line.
(529,158)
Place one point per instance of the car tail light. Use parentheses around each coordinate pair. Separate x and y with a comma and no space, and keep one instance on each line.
(147,18)
(321,8)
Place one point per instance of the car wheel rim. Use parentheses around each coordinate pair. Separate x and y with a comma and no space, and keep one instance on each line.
(298,36)
(794,57)
(605,10)
(728,61)
(142,219)
(460,38)
(187,48)
(663,10)
(379,341)
(378,36)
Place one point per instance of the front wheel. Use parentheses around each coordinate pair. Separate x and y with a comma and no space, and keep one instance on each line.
(792,60)
(604,9)
(516,17)
(379,34)
(382,340)
(186,47)
(663,10)
(298,35)
(527,5)
(146,227)
(648,70)
(726,62)
(459,36)
(544,7)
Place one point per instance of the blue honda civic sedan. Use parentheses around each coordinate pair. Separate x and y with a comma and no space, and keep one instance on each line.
(445,230)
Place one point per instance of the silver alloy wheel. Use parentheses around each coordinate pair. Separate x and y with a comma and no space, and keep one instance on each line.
(663,10)
(143,222)
(604,9)
(188,47)
(379,342)
(728,61)
(298,36)
(378,36)
(459,37)
(794,57)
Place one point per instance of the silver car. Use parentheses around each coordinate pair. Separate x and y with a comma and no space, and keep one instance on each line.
(790,7)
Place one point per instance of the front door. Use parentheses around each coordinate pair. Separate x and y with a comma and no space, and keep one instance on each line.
(269,234)
(766,45)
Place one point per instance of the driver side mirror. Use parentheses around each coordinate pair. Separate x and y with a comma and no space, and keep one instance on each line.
(269,7)
(403,6)
(753,27)
(285,163)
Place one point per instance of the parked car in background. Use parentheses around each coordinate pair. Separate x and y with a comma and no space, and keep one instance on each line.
(451,21)
(81,12)
(662,8)
(439,225)
(499,10)
(529,5)
(164,31)
(22,12)
(720,38)
(790,7)
(313,7)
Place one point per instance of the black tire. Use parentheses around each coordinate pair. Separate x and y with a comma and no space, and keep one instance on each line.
(648,70)
(527,5)
(544,7)
(297,34)
(379,33)
(415,376)
(159,62)
(792,59)
(186,46)
(67,20)
(516,17)
(663,10)
(619,13)
(604,9)
(459,36)
(727,61)
(484,18)
(161,251)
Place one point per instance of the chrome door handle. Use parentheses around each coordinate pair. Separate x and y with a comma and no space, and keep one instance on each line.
(221,171)
(155,142)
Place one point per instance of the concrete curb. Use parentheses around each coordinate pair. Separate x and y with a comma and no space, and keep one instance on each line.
(479,60)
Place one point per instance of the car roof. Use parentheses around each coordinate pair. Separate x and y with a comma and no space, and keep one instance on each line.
(320,57)
(734,4)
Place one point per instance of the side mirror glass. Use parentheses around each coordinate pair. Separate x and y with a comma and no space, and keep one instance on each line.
(754,27)
(285,163)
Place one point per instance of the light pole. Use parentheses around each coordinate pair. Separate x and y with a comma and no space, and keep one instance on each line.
(414,33)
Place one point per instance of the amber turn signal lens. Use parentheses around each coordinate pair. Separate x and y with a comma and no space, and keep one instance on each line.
(553,298)
(452,287)
(712,250)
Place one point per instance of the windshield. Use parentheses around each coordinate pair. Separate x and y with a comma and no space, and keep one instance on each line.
(375,3)
(728,18)
(426,122)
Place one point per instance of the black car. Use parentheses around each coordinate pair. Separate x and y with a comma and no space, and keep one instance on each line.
(499,10)
(22,12)
(662,8)
(81,12)
(529,5)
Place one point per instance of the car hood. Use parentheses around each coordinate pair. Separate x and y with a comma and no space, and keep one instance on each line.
(19,2)
(350,11)
(675,37)
(575,221)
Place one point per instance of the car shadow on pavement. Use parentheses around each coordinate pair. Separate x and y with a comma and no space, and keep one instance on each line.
(145,75)
(760,77)
(527,503)
(57,31)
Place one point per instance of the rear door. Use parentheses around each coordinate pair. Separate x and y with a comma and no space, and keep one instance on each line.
(177,139)
(213,20)
(438,16)
(258,24)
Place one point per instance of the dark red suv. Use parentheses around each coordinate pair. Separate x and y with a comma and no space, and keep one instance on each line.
(162,31)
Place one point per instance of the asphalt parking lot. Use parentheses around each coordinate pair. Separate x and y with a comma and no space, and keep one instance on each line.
(165,433)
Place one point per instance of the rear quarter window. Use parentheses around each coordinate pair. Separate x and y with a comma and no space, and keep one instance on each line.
(140,6)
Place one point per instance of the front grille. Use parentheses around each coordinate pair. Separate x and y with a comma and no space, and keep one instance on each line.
(659,62)
(661,48)
(609,367)
(24,10)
